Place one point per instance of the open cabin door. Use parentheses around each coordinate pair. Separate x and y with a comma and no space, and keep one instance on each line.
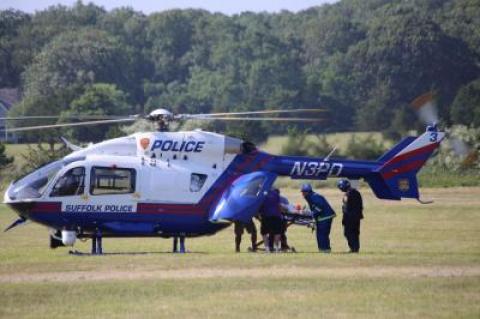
(241,201)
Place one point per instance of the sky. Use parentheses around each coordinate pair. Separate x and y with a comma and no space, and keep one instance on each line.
(149,6)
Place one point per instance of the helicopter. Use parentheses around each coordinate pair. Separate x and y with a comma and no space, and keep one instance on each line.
(186,183)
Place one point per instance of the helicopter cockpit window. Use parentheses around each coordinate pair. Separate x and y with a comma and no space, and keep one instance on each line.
(197,181)
(71,183)
(106,180)
(253,187)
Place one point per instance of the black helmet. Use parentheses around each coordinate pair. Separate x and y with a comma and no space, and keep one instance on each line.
(343,185)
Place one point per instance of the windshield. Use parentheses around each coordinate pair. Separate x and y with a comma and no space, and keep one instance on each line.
(33,184)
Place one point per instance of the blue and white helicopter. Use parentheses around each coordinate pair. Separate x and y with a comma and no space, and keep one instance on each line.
(193,183)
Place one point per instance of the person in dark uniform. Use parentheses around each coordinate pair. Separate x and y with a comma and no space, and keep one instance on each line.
(283,237)
(323,215)
(251,229)
(271,217)
(352,214)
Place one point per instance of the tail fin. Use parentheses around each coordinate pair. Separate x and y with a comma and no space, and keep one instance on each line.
(396,178)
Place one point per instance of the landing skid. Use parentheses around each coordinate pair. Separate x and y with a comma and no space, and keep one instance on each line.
(97,248)
(425,202)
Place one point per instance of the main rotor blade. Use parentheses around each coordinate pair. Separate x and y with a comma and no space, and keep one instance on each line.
(255,112)
(69,117)
(32,128)
(274,119)
(426,108)
(427,112)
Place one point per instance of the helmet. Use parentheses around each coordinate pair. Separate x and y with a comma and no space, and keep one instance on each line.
(343,185)
(307,188)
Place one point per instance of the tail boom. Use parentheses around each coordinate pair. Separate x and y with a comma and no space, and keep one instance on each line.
(392,176)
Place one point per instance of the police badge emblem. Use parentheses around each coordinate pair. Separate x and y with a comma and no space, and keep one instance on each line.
(403,184)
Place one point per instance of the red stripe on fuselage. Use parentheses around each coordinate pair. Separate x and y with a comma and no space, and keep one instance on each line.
(403,169)
(47,207)
(418,151)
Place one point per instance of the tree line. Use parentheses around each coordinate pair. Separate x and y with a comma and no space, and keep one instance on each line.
(362,61)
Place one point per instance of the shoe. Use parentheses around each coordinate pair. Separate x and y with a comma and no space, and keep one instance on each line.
(325,251)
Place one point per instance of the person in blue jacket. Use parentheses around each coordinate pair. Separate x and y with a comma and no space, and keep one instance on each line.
(323,215)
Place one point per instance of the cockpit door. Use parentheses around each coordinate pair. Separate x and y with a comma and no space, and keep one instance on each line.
(241,201)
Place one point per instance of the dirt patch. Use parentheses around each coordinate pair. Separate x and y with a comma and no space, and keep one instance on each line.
(275,272)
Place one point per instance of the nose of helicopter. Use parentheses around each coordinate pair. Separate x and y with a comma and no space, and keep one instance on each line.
(23,209)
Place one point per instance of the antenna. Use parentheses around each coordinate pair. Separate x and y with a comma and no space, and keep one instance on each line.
(327,158)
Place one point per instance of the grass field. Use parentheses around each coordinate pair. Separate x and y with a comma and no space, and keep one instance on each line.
(420,261)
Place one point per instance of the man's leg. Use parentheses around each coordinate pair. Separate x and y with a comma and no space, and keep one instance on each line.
(321,243)
(254,240)
(328,227)
(175,244)
(264,230)
(283,238)
(238,240)
(323,235)
(277,242)
(182,244)
(355,236)
(252,230)
(238,235)
(266,242)
(351,233)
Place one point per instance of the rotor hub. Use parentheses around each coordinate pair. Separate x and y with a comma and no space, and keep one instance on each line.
(162,118)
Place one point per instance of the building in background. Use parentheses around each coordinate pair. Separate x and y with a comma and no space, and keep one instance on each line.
(8,97)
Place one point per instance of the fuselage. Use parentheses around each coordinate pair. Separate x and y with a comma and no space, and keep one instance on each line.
(147,184)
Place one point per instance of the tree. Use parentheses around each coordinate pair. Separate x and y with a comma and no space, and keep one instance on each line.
(12,59)
(4,159)
(63,70)
(76,58)
(461,19)
(98,99)
(296,144)
(39,155)
(367,148)
(170,36)
(406,53)
(465,108)
(362,60)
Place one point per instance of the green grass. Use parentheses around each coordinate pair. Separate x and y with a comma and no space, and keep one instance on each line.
(420,261)
(244,298)
(431,177)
